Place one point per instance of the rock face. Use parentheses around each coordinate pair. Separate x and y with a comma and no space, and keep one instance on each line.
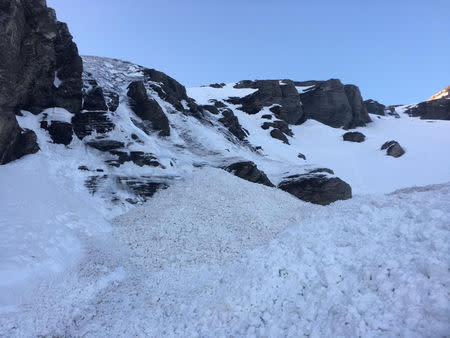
(393,149)
(354,136)
(317,188)
(282,96)
(250,172)
(61,132)
(172,91)
(438,109)
(230,121)
(334,104)
(39,68)
(148,109)
(374,107)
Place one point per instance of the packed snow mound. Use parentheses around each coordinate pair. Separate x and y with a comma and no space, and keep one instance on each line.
(210,217)
(370,266)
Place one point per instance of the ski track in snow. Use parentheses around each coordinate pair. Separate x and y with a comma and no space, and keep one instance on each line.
(213,256)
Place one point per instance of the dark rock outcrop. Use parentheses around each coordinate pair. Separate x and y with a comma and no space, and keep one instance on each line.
(316,188)
(105,145)
(438,109)
(354,136)
(279,135)
(393,148)
(302,156)
(87,122)
(374,107)
(94,99)
(171,91)
(61,132)
(334,104)
(278,124)
(230,121)
(20,144)
(142,186)
(248,171)
(148,109)
(39,68)
(281,96)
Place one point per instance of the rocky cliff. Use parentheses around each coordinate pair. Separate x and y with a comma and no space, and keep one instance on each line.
(39,68)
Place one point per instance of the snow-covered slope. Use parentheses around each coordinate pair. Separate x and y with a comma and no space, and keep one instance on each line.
(211,256)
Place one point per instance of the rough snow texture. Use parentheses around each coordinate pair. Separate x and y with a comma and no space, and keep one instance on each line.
(210,257)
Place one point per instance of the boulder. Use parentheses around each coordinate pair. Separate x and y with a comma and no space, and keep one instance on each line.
(354,136)
(300,155)
(374,107)
(140,158)
(334,104)
(316,188)
(249,171)
(60,132)
(147,109)
(230,121)
(281,96)
(393,149)
(437,109)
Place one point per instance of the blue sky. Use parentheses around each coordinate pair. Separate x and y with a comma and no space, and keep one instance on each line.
(396,51)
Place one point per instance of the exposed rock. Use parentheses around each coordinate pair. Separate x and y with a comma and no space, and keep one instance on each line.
(250,172)
(148,109)
(39,68)
(87,122)
(93,182)
(278,124)
(171,91)
(217,104)
(142,186)
(300,155)
(266,116)
(19,145)
(393,148)
(334,104)
(374,107)
(212,109)
(438,109)
(278,134)
(83,168)
(113,101)
(94,99)
(354,136)
(105,145)
(281,96)
(61,132)
(317,188)
(140,158)
(230,121)
(217,85)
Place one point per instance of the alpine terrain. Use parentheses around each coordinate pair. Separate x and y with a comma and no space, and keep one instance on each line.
(133,206)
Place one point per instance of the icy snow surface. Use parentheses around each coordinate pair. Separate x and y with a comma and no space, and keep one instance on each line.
(218,256)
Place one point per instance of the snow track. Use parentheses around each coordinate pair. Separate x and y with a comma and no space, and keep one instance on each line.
(218,256)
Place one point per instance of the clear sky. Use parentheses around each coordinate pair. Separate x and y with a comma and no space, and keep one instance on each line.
(396,51)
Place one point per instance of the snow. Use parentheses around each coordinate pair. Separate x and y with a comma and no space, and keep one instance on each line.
(214,255)
(302,89)
(57,82)
(202,95)
(218,256)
